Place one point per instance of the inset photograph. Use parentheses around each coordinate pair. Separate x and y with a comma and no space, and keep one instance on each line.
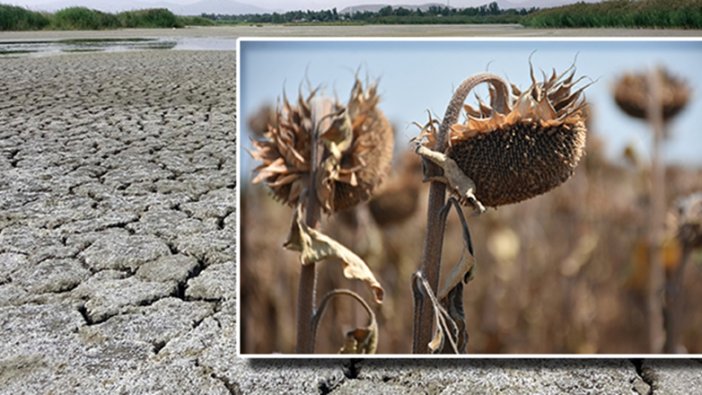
(469,197)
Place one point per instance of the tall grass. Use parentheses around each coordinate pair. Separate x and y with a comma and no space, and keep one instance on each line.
(18,18)
(685,14)
(156,17)
(82,18)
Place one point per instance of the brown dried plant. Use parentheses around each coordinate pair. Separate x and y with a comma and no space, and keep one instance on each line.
(358,142)
(632,92)
(657,97)
(517,146)
(322,155)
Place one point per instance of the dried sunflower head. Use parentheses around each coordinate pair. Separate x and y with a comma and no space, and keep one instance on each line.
(521,145)
(285,151)
(631,93)
(263,117)
(356,143)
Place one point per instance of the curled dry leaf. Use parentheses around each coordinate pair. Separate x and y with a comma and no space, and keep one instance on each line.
(453,303)
(316,246)
(450,321)
(451,293)
(461,185)
(362,340)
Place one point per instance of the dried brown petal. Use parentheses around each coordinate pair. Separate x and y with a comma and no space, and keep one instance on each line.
(369,158)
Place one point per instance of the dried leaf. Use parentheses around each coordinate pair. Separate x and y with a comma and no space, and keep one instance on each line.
(437,341)
(316,246)
(453,303)
(362,340)
(460,274)
(450,321)
(458,182)
(444,327)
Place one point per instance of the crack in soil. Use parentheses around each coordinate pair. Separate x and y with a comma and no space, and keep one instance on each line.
(84,313)
(183,284)
(158,346)
(351,370)
(231,386)
(646,374)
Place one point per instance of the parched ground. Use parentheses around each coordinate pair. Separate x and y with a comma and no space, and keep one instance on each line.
(438,30)
(117,240)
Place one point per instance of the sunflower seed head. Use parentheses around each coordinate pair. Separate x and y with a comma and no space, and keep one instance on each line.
(529,147)
(631,93)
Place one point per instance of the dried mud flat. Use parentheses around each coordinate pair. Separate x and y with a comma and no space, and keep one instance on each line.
(117,239)
(438,30)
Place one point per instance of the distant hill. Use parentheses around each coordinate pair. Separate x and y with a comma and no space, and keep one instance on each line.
(506,4)
(225,7)
(377,7)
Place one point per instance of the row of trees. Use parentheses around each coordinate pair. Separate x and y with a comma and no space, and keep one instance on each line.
(489,13)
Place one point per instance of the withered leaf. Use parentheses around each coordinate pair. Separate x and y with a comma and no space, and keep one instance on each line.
(450,333)
(457,181)
(362,340)
(451,294)
(316,246)
(444,326)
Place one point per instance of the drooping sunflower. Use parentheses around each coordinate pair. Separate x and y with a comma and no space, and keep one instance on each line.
(356,143)
(632,92)
(523,143)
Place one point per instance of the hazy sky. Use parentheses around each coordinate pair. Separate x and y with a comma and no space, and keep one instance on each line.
(416,76)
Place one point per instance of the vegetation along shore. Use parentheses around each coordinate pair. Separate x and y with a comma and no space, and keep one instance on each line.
(660,14)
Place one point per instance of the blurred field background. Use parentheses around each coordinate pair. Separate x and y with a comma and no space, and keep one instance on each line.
(565,272)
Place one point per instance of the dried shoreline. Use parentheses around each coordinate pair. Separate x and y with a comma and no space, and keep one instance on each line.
(497,30)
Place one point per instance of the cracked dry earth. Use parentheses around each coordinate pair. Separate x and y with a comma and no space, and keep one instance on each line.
(117,238)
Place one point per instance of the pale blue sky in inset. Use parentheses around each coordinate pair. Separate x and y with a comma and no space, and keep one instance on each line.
(416,76)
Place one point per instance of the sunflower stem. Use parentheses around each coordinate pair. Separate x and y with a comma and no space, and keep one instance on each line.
(656,335)
(308,275)
(431,257)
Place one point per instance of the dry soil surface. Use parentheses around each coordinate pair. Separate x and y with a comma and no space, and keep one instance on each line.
(117,240)
(506,30)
